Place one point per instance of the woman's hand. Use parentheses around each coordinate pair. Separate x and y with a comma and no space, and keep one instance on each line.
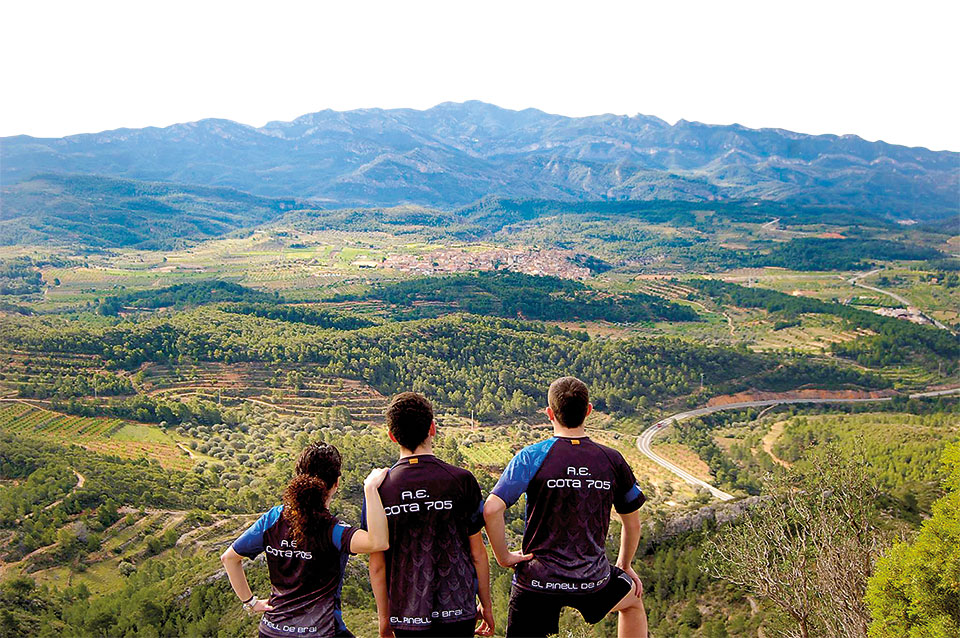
(512,559)
(376,538)
(260,606)
(375,478)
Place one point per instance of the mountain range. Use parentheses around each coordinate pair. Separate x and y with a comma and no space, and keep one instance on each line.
(456,153)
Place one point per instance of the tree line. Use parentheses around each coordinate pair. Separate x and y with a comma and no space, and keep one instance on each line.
(511,294)
(498,368)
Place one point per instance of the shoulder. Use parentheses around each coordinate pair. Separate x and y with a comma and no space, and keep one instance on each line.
(535,452)
(251,542)
(613,455)
(341,533)
(521,470)
(618,464)
(455,472)
(527,461)
(271,517)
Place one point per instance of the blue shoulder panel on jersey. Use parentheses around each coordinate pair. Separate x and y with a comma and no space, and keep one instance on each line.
(633,494)
(521,470)
(338,530)
(250,543)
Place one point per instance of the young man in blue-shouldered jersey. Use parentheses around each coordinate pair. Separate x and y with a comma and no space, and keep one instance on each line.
(571,484)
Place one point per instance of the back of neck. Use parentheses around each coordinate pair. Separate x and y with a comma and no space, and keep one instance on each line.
(569,433)
(424,448)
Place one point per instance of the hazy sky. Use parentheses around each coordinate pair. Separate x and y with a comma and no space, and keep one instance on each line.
(880,70)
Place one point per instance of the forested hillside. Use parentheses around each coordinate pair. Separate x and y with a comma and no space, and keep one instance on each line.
(464,362)
(101,212)
(509,294)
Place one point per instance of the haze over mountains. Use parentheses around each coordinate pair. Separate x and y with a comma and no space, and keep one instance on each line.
(454,154)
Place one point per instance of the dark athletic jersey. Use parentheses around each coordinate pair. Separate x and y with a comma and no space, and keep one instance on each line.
(571,484)
(432,510)
(305,584)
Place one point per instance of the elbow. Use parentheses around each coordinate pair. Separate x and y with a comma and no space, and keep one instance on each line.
(480,557)
(492,508)
(478,551)
(631,522)
(381,546)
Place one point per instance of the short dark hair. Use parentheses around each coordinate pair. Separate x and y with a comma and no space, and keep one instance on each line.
(409,416)
(568,397)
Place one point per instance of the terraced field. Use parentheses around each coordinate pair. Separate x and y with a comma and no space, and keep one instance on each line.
(103,435)
(814,334)
(26,419)
(913,377)
(126,540)
(236,383)
(662,288)
(25,366)
(643,468)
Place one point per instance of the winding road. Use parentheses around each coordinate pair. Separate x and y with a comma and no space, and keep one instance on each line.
(645,440)
(855,281)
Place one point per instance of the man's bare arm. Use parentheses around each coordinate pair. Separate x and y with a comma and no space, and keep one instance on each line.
(629,541)
(482,564)
(378,580)
(493,511)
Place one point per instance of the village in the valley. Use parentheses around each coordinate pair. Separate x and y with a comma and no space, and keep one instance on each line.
(451,260)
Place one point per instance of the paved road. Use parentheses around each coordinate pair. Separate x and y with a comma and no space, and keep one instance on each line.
(906,302)
(645,440)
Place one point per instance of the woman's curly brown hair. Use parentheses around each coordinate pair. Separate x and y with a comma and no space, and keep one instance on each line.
(305,499)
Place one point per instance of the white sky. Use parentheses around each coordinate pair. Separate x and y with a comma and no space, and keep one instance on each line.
(880,70)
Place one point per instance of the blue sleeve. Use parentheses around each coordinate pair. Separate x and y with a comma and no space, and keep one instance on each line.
(341,534)
(631,501)
(250,543)
(627,494)
(521,470)
(363,513)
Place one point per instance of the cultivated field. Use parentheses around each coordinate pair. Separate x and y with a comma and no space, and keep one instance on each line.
(292,390)
(104,435)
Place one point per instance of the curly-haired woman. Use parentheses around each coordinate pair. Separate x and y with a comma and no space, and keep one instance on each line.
(307,549)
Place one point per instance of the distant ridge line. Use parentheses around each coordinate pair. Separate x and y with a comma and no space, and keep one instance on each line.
(456,153)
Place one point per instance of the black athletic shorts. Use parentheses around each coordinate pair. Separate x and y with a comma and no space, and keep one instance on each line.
(459,629)
(535,614)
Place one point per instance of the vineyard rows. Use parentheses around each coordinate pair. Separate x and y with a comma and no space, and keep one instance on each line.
(24,419)
(89,432)
(662,288)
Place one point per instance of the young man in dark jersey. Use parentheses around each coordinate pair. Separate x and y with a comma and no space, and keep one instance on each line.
(571,484)
(427,583)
